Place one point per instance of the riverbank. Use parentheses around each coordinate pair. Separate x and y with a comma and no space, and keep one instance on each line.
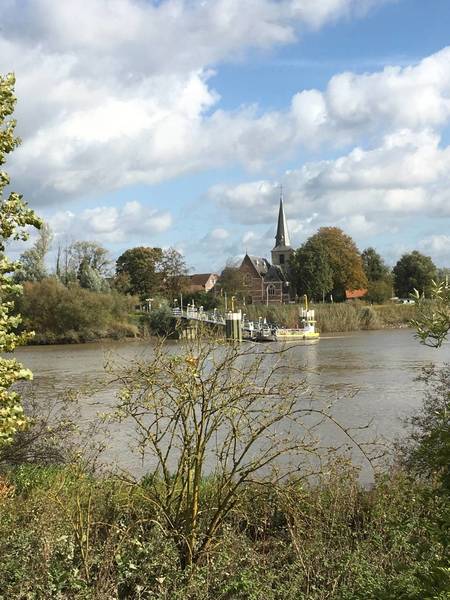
(65,533)
(66,315)
(340,317)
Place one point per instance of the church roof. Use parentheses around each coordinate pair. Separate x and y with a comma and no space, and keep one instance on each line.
(282,237)
(262,265)
(274,274)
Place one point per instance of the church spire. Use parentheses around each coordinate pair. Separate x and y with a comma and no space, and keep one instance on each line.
(282,236)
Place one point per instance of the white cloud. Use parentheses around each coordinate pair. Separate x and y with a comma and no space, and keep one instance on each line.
(110,224)
(438,246)
(413,97)
(116,93)
(365,192)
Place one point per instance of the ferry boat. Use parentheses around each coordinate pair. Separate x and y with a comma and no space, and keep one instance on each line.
(306,331)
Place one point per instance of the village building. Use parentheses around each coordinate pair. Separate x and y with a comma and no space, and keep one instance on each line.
(201,282)
(265,282)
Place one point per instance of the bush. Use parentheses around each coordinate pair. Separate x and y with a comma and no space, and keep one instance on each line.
(67,535)
(161,320)
(72,314)
(427,450)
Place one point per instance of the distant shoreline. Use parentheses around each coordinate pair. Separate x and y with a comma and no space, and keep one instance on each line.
(331,318)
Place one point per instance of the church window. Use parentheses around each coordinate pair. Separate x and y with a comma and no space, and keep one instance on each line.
(281,259)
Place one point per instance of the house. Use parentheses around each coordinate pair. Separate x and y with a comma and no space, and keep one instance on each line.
(201,282)
(265,282)
(355,294)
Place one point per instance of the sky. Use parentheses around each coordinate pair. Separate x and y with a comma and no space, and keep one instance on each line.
(172,123)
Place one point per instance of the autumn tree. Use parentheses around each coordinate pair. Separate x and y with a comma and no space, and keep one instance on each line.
(137,271)
(173,273)
(343,258)
(14,217)
(311,271)
(414,271)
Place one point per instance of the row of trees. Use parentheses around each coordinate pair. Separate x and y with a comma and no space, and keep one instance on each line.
(140,271)
(329,263)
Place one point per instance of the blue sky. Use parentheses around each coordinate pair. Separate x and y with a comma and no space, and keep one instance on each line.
(172,123)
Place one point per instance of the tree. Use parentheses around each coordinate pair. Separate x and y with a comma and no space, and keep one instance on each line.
(231,281)
(72,258)
(373,265)
(91,279)
(414,271)
(137,271)
(14,216)
(33,261)
(173,273)
(311,271)
(233,411)
(343,259)
(379,291)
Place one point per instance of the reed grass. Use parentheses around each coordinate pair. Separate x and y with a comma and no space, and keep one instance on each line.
(338,317)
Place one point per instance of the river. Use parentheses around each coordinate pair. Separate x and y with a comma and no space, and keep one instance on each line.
(371,374)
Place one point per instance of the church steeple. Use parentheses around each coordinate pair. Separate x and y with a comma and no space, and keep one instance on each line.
(282,236)
(282,250)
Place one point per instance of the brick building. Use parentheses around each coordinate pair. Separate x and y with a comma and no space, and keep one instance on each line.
(265,282)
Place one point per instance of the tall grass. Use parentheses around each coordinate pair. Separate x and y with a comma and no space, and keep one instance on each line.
(338,317)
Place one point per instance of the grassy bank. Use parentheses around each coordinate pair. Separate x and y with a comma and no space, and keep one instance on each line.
(339,317)
(60,314)
(65,534)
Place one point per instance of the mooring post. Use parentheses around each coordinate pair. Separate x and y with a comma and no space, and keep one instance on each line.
(233,328)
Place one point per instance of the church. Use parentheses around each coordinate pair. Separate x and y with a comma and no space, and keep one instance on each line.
(267,283)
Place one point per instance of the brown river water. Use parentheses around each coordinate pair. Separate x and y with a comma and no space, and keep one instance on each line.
(372,374)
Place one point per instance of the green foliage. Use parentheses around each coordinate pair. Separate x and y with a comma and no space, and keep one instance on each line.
(414,271)
(208,300)
(373,265)
(91,279)
(379,291)
(32,261)
(59,313)
(432,322)
(73,259)
(161,320)
(137,269)
(67,535)
(427,451)
(311,271)
(148,272)
(14,217)
(231,281)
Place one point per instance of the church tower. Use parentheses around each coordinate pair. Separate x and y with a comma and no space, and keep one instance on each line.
(282,249)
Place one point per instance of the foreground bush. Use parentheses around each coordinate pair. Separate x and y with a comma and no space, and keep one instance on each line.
(64,534)
(72,314)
